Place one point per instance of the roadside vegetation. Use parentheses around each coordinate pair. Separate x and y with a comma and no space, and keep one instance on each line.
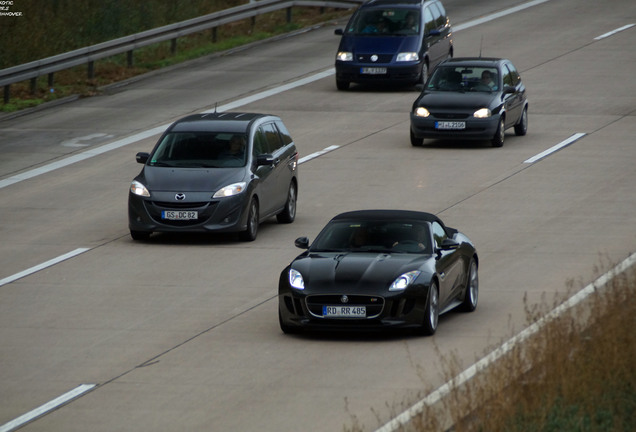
(576,374)
(58,26)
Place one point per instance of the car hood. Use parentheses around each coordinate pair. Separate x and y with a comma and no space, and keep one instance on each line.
(380,44)
(455,100)
(189,179)
(354,271)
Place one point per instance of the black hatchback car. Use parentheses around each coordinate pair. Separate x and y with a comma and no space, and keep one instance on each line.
(395,41)
(221,172)
(471,99)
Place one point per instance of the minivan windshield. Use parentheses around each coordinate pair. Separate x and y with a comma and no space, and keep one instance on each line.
(385,22)
(200,150)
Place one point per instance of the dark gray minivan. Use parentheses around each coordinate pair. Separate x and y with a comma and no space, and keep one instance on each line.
(221,172)
(393,41)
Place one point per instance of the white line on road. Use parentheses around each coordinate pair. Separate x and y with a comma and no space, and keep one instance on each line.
(405,417)
(555,148)
(44,265)
(318,153)
(49,406)
(613,32)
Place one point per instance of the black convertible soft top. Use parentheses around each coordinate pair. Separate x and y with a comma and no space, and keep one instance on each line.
(393,215)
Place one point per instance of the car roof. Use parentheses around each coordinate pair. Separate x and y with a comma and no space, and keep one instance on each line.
(217,122)
(374,3)
(390,215)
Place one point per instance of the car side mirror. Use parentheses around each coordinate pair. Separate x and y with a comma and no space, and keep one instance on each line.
(302,243)
(142,157)
(264,159)
(338,32)
(448,244)
(509,90)
(434,32)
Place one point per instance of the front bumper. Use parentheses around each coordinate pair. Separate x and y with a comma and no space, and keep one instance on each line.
(476,129)
(219,215)
(352,72)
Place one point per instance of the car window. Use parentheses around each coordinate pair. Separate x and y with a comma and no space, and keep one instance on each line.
(464,78)
(429,20)
(284,133)
(438,16)
(200,149)
(443,12)
(514,75)
(272,138)
(439,234)
(384,21)
(507,78)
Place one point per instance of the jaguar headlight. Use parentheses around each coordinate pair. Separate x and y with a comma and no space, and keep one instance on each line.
(402,282)
(296,279)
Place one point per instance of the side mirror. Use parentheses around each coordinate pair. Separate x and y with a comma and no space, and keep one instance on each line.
(434,32)
(449,244)
(509,90)
(142,157)
(264,159)
(338,32)
(302,243)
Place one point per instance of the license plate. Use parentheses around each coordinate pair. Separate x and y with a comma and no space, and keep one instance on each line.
(450,125)
(373,70)
(179,215)
(344,311)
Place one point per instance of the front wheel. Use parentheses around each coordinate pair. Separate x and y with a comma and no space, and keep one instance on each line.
(252,222)
(521,128)
(429,325)
(289,212)
(498,139)
(472,288)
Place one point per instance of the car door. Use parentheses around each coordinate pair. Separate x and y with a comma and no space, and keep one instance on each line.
(431,34)
(288,162)
(448,266)
(513,102)
(265,173)
(278,183)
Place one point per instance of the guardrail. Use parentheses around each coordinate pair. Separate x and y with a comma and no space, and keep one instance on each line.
(127,44)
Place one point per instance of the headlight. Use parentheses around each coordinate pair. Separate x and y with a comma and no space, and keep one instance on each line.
(231,190)
(482,113)
(139,189)
(407,56)
(404,281)
(344,56)
(422,112)
(296,279)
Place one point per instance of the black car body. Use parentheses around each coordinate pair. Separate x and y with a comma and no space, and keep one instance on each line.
(395,41)
(375,269)
(455,103)
(221,172)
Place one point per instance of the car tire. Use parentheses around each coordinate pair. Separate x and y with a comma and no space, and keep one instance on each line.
(521,128)
(471,295)
(289,212)
(415,141)
(140,235)
(498,139)
(431,317)
(342,85)
(252,222)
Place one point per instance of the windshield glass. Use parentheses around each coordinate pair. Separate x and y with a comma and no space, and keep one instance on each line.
(374,236)
(464,78)
(200,150)
(385,22)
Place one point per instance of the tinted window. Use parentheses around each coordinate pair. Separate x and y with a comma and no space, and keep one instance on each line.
(272,138)
(393,21)
(200,149)
(439,234)
(284,133)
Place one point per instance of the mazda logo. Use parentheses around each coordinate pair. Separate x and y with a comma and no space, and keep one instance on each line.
(179,196)
(344,299)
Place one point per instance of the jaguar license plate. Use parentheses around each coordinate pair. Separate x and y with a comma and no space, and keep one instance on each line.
(373,70)
(344,311)
(450,125)
(179,215)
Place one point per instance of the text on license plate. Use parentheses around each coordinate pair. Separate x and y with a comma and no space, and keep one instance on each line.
(373,70)
(179,214)
(344,311)
(450,125)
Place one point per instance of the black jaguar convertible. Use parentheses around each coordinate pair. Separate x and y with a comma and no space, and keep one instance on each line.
(375,269)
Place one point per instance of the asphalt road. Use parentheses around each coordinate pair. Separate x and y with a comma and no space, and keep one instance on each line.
(181,333)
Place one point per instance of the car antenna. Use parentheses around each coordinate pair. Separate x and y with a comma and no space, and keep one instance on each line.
(215,104)
(481,44)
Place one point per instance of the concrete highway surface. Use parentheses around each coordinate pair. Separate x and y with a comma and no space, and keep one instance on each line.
(181,333)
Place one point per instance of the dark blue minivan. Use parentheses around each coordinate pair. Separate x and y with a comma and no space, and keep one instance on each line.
(393,41)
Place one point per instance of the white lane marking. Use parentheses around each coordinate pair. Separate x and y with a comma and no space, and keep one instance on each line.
(49,406)
(497,15)
(80,141)
(42,266)
(318,153)
(555,148)
(613,32)
(405,417)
